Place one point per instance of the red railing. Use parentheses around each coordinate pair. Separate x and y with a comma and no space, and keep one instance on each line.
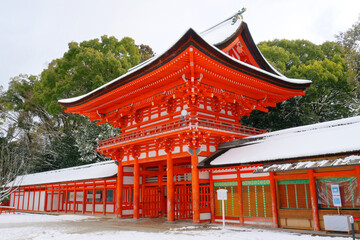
(183,123)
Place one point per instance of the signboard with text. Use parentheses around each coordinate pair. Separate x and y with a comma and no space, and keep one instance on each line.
(335,191)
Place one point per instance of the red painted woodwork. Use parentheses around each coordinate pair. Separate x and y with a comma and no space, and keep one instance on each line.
(146,104)
(240,198)
(170,188)
(152,202)
(357,169)
(136,189)
(274,208)
(183,202)
(195,187)
(212,197)
(314,202)
(119,191)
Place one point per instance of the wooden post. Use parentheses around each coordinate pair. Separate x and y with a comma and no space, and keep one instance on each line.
(23,203)
(74,204)
(52,198)
(84,199)
(33,199)
(162,194)
(46,198)
(240,198)
(104,198)
(273,201)
(195,187)
(66,199)
(170,188)
(136,188)
(58,205)
(314,203)
(119,190)
(212,197)
(357,169)
(93,198)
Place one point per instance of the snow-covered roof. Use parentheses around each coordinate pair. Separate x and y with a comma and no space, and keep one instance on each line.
(91,171)
(220,34)
(333,137)
(324,163)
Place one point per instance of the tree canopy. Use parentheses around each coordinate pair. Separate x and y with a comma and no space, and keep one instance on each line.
(330,96)
(55,139)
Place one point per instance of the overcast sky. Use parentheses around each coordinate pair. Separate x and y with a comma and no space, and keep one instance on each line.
(34,32)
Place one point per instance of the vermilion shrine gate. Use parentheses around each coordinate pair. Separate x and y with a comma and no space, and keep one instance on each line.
(176,108)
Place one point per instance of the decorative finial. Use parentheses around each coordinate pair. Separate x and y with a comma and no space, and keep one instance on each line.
(238,15)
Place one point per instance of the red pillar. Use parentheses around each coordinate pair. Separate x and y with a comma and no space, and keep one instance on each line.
(212,197)
(93,198)
(162,195)
(52,198)
(170,188)
(119,190)
(314,203)
(74,203)
(83,200)
(104,198)
(240,198)
(273,201)
(357,169)
(195,187)
(66,199)
(46,198)
(136,188)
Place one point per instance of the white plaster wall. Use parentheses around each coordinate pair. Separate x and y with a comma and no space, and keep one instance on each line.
(55,202)
(128,180)
(20,199)
(205,216)
(42,201)
(110,208)
(128,169)
(204,175)
(226,176)
(89,207)
(250,175)
(25,207)
(99,207)
(30,203)
(128,212)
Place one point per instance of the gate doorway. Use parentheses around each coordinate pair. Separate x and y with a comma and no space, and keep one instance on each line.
(183,202)
(152,202)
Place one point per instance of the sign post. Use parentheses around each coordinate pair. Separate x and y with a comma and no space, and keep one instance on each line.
(335,191)
(222,195)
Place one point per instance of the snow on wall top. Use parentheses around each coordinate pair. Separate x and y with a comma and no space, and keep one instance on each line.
(90,171)
(332,137)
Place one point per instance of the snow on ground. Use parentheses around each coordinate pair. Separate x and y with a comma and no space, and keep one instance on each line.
(22,226)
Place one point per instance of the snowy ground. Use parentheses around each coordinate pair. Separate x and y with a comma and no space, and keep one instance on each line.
(21,226)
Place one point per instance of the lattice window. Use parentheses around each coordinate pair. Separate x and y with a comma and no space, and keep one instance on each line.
(256,199)
(294,194)
(348,192)
(204,196)
(232,202)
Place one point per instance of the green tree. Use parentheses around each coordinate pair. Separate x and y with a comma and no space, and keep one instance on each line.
(350,41)
(331,95)
(146,52)
(84,67)
(51,138)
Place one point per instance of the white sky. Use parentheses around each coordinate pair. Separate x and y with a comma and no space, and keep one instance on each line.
(34,32)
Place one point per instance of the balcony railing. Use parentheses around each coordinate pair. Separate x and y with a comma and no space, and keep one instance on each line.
(182,123)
